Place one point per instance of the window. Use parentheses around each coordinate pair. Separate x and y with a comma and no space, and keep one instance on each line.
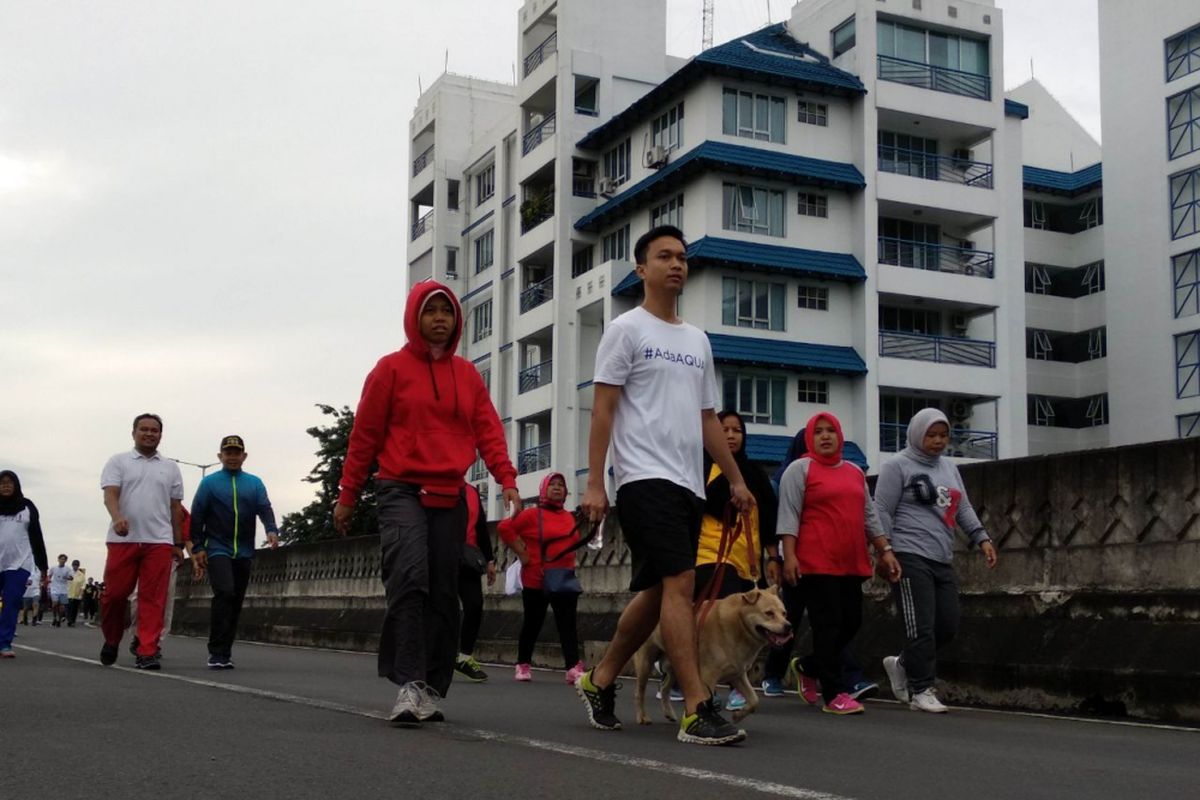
(812,391)
(843,37)
(1075,218)
(936,49)
(813,297)
(753,209)
(753,116)
(812,113)
(481,318)
(905,154)
(587,96)
(1187,364)
(485,184)
(1185,203)
(616,162)
(615,246)
(1042,412)
(483,251)
(1186,269)
(752,304)
(452,195)
(486,373)
(1097,343)
(1183,54)
(669,213)
(1189,425)
(667,130)
(451,262)
(756,398)
(1093,278)
(581,261)
(1097,410)
(812,205)
(910,320)
(1183,123)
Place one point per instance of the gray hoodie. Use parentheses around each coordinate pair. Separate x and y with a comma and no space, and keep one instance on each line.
(920,497)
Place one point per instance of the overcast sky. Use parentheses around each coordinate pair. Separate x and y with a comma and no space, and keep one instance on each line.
(202,214)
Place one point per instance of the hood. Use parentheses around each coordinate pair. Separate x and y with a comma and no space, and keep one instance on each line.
(420,294)
(836,457)
(918,426)
(16,503)
(797,449)
(542,499)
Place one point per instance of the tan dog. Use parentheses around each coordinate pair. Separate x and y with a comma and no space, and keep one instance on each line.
(735,631)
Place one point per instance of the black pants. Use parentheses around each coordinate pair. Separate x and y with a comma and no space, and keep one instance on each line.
(470,594)
(72,610)
(229,578)
(420,551)
(834,604)
(778,657)
(927,601)
(536,602)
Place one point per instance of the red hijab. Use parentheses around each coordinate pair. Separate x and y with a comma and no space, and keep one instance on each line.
(834,458)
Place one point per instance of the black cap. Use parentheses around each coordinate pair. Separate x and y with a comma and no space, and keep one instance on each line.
(233,443)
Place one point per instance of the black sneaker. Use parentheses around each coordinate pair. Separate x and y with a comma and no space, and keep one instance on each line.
(149,663)
(216,662)
(706,726)
(599,702)
(469,669)
(108,654)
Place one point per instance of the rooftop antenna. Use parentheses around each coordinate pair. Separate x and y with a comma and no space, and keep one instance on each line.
(420,91)
(707,26)
(1031,69)
(768,12)
(446,68)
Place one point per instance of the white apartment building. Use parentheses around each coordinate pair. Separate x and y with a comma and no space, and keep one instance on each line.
(850,183)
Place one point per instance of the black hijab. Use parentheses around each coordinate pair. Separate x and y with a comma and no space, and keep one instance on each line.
(11,506)
(717,493)
(15,504)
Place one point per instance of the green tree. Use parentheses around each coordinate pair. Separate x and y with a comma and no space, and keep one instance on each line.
(315,521)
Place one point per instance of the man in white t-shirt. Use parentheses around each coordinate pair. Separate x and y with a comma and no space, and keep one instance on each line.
(143,494)
(60,578)
(655,401)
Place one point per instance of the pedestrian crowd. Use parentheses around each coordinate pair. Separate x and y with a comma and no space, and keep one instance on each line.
(701,521)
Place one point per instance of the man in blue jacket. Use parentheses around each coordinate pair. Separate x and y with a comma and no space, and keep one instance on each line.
(223,513)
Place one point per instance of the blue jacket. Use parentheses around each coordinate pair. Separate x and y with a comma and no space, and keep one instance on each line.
(223,513)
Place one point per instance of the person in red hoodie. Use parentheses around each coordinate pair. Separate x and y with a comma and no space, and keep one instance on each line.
(543,538)
(826,519)
(423,415)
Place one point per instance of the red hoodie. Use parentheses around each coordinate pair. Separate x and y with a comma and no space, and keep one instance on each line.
(558,533)
(423,418)
(831,540)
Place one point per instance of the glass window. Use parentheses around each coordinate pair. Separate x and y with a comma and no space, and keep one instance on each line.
(1183,53)
(812,391)
(587,91)
(752,304)
(910,320)
(812,113)
(483,250)
(1187,364)
(843,37)
(1186,269)
(667,130)
(753,209)
(1185,203)
(616,162)
(934,48)
(756,398)
(485,184)
(813,297)
(1189,425)
(451,262)
(754,116)
(481,316)
(669,213)
(1183,123)
(581,261)
(615,245)
(812,205)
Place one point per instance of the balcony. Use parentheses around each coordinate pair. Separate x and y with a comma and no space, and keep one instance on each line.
(421,225)
(938,349)
(540,53)
(537,293)
(422,161)
(537,208)
(533,459)
(538,134)
(939,79)
(583,186)
(933,167)
(963,443)
(535,377)
(936,257)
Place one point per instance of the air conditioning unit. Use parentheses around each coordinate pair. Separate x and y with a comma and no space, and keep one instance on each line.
(606,187)
(656,157)
(960,411)
(959,324)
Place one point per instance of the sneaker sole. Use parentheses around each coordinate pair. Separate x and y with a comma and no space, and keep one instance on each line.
(915,707)
(687,738)
(405,719)
(588,705)
(436,716)
(148,668)
(836,713)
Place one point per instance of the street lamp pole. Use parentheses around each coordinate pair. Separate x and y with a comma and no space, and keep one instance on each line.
(203,467)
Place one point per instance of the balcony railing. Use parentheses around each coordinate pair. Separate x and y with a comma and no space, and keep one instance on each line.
(939,79)
(534,377)
(933,167)
(540,53)
(963,443)
(939,349)
(532,459)
(422,161)
(535,294)
(478,471)
(936,257)
(420,225)
(536,209)
(583,186)
(542,131)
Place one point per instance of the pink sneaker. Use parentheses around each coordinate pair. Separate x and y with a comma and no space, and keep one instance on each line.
(808,687)
(843,704)
(523,673)
(574,672)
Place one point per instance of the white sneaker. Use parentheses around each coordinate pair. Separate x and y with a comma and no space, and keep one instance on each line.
(404,713)
(426,702)
(927,701)
(898,678)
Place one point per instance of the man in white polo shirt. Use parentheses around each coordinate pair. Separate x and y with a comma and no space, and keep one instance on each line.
(143,493)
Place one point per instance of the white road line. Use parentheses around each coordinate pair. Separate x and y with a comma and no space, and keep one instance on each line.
(592,754)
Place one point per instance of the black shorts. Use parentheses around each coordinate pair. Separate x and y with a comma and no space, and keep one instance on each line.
(731,582)
(661,524)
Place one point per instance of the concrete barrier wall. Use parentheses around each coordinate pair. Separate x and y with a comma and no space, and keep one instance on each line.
(1094,607)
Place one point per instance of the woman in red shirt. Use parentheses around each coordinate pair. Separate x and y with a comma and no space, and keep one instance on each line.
(545,533)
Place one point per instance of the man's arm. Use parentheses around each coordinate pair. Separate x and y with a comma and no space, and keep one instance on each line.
(266,513)
(112,503)
(604,408)
(718,448)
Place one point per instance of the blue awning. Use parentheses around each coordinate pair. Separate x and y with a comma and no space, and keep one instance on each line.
(1068,184)
(1014,109)
(767,449)
(780,353)
(725,157)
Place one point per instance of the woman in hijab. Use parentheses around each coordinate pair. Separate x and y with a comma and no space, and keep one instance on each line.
(921,499)
(21,548)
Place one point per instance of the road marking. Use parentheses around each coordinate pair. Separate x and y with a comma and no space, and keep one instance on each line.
(592,754)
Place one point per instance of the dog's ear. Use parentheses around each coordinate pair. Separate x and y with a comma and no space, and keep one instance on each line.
(751,597)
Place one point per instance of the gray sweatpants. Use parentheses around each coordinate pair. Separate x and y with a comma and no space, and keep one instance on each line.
(927,601)
(420,550)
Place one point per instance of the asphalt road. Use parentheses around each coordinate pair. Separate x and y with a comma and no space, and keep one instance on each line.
(296,723)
